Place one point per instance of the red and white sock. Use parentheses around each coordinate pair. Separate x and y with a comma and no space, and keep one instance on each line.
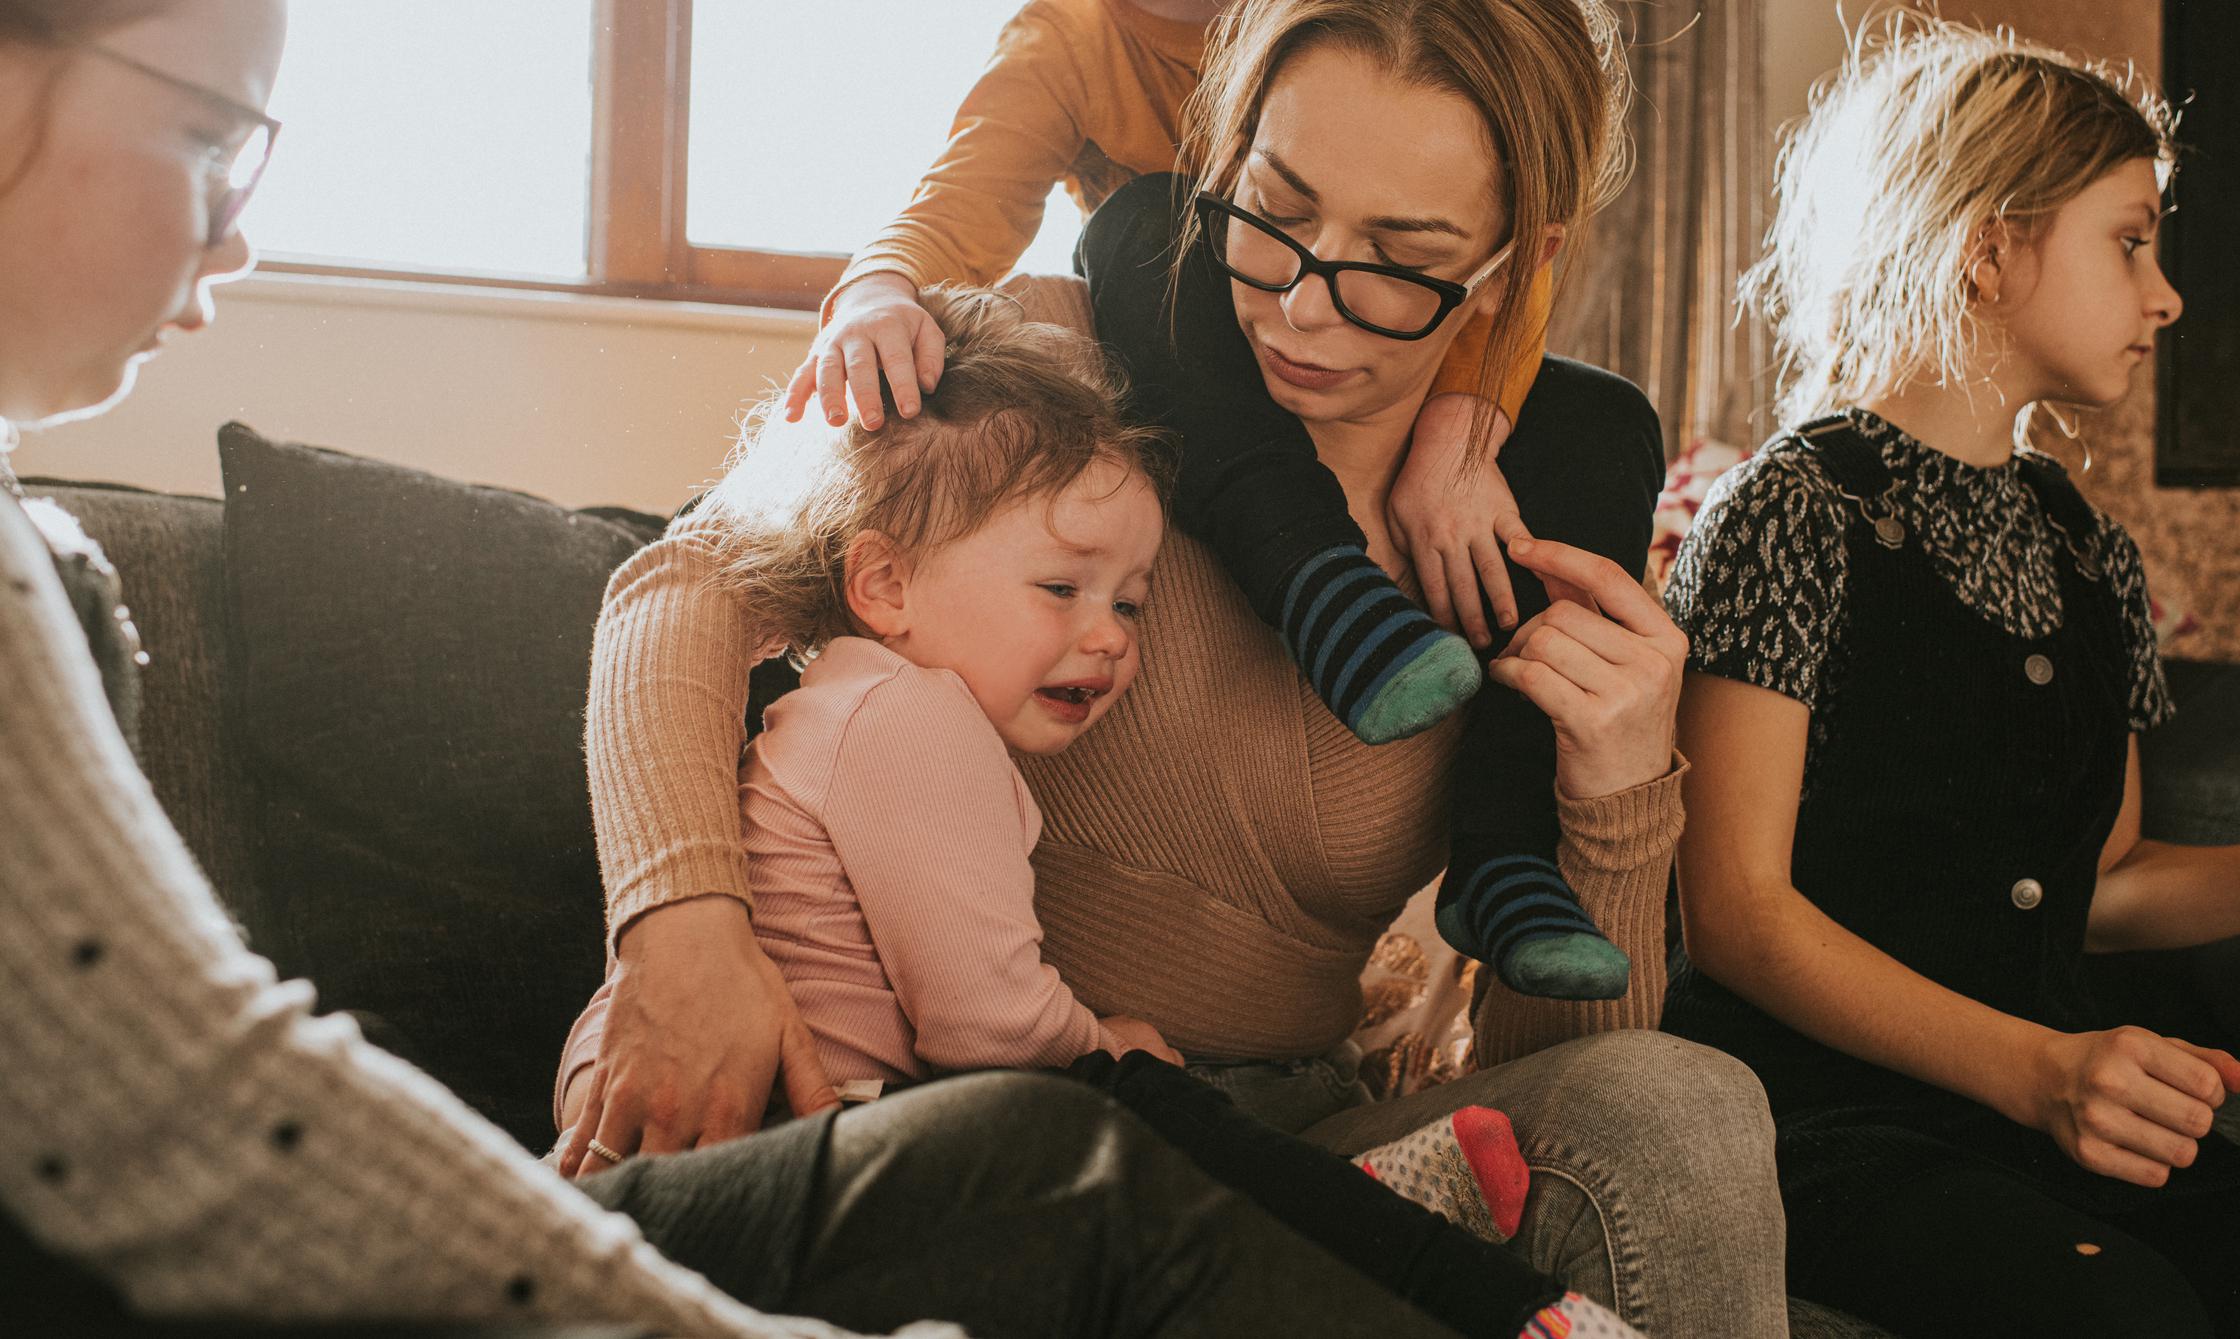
(1576,1318)
(1466,1166)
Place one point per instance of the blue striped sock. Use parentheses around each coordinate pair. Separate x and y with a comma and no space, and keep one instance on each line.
(1518,913)
(1376,660)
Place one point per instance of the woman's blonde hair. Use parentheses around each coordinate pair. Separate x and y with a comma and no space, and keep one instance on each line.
(1023,410)
(1930,134)
(1548,77)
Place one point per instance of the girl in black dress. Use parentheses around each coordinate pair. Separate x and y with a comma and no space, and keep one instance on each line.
(1919,664)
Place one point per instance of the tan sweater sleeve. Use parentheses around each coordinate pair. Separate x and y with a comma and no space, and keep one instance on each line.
(1015,135)
(1616,851)
(663,728)
(1459,373)
(179,1122)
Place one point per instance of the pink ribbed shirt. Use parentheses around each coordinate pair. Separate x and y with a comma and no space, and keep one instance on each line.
(887,835)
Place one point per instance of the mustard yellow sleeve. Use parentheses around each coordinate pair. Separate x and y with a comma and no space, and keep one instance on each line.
(1015,136)
(1459,373)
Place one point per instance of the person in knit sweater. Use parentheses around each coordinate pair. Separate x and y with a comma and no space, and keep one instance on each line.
(964,586)
(186,1139)
(1921,663)
(1094,91)
(1220,855)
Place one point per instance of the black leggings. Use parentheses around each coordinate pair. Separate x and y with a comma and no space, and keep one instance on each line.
(1010,1204)
(1472,1285)
(1971,1249)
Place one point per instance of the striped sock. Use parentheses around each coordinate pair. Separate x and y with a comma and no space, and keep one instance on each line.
(1518,913)
(1376,660)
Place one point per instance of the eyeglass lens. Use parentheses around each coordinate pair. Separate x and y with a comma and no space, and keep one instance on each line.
(241,178)
(1385,300)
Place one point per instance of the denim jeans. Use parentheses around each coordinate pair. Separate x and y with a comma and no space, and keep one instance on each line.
(1653,1185)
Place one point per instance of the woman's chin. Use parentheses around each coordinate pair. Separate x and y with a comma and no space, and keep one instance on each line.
(95,396)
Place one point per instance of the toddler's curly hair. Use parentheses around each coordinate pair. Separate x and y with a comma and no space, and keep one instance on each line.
(1023,410)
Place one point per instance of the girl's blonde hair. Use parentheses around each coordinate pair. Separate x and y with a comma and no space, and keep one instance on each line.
(1024,409)
(1548,77)
(1931,133)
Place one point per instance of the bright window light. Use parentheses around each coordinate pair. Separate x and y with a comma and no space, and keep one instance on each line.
(812,123)
(433,134)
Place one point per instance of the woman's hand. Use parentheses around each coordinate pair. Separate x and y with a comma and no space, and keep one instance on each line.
(1136,1035)
(699,1026)
(2127,1103)
(876,326)
(1604,663)
(1452,514)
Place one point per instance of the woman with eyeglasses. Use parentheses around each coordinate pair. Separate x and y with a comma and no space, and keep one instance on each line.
(180,1139)
(1221,855)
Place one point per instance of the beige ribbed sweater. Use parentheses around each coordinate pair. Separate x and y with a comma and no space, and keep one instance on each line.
(175,1119)
(1218,856)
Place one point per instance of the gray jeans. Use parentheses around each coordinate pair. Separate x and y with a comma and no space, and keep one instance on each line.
(1653,1186)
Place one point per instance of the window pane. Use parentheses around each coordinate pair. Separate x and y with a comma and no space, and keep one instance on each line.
(812,123)
(432,134)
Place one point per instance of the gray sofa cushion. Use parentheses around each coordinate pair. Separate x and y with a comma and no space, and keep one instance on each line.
(409,662)
(167,551)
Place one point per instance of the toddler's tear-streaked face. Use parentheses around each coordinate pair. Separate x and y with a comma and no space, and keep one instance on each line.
(1038,609)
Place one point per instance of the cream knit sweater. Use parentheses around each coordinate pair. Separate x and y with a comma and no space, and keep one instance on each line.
(177,1120)
(1218,856)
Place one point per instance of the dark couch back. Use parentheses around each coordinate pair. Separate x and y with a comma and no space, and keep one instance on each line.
(362,709)
(169,552)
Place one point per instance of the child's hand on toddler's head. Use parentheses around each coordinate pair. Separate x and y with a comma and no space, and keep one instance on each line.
(877,326)
(1136,1035)
(1453,515)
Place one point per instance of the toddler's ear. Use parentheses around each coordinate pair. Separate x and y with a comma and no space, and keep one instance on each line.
(877,582)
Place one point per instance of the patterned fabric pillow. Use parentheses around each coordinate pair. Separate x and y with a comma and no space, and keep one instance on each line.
(1415,1026)
(1687,481)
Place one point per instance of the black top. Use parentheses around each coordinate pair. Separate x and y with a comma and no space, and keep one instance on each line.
(1969,769)
(1761,584)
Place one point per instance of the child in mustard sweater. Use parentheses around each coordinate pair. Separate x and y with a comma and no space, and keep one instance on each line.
(1093,93)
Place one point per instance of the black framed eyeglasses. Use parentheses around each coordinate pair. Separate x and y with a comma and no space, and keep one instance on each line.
(241,168)
(1382,299)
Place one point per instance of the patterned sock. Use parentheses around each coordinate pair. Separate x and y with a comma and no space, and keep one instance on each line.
(1576,1318)
(1465,1166)
(1377,661)
(1518,913)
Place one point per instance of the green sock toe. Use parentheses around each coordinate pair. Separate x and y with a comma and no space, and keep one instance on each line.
(1423,693)
(1576,966)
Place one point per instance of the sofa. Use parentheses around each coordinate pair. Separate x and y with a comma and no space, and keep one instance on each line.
(363,709)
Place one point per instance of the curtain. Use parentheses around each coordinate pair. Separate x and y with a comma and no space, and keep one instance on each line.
(1649,293)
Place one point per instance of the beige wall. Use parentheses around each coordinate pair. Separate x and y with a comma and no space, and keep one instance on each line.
(609,401)
(582,400)
(1804,39)
(2187,534)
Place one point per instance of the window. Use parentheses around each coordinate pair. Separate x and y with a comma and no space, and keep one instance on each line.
(445,159)
(647,147)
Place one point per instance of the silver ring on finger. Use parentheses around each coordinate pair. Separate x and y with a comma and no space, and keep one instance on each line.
(602,1151)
